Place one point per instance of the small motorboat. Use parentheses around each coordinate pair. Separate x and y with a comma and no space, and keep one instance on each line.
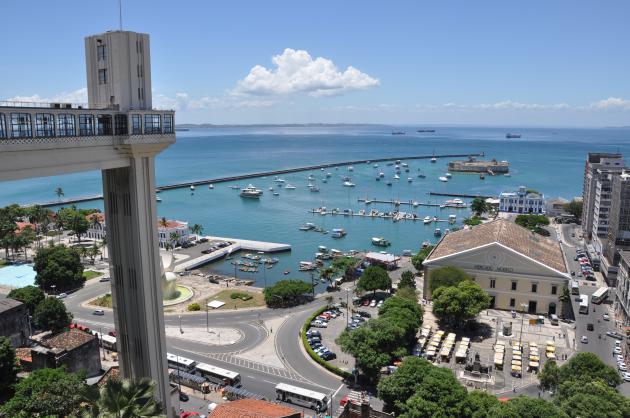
(192,187)
(210,186)
(442,178)
(427,220)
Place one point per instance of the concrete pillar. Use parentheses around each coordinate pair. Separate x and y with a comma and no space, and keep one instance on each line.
(130,213)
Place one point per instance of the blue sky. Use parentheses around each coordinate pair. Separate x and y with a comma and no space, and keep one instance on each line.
(560,63)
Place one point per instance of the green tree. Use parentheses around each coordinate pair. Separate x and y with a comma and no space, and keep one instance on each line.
(479,206)
(122,399)
(549,376)
(591,399)
(565,300)
(286,293)
(51,315)
(196,229)
(8,368)
(472,221)
(438,395)
(419,258)
(396,388)
(574,207)
(524,407)
(533,223)
(477,404)
(446,276)
(31,296)
(373,279)
(404,313)
(46,393)
(60,266)
(587,367)
(75,221)
(344,266)
(456,304)
(327,274)
(407,279)
(408,293)
(8,226)
(59,192)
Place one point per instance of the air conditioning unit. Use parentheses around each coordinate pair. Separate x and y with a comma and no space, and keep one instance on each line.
(55,105)
(67,105)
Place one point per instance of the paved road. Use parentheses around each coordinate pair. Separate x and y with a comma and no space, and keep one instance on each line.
(256,377)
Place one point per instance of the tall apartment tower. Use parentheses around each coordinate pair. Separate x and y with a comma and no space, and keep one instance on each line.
(618,237)
(597,168)
(118,65)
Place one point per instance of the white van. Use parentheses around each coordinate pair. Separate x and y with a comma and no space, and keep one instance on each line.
(553,319)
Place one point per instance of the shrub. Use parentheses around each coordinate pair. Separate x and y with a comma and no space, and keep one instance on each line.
(240,295)
(194,307)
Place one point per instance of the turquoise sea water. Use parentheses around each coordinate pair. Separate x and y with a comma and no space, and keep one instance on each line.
(549,160)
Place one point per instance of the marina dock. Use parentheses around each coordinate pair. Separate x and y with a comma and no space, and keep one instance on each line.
(470,196)
(399,202)
(237,245)
(396,216)
(265,174)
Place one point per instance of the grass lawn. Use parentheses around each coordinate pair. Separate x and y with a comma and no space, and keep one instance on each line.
(90,274)
(224,296)
(103,301)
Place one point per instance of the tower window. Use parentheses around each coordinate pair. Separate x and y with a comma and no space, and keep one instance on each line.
(102,76)
(101,52)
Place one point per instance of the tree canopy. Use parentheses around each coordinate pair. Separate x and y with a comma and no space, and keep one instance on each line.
(456,304)
(585,367)
(574,207)
(8,368)
(373,279)
(123,398)
(479,206)
(533,223)
(59,266)
(439,394)
(419,258)
(51,315)
(549,376)
(446,276)
(591,399)
(396,388)
(46,392)
(31,296)
(472,221)
(74,220)
(524,407)
(407,279)
(286,293)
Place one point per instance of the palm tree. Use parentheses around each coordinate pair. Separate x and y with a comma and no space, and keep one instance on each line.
(59,192)
(103,245)
(565,300)
(479,206)
(123,399)
(93,251)
(164,222)
(196,229)
(174,238)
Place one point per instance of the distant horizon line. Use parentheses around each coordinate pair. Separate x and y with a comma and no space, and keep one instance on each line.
(388,125)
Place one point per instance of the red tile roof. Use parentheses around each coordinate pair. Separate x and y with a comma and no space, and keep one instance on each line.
(22,225)
(253,408)
(69,340)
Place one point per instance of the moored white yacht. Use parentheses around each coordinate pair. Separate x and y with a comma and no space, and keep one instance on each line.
(442,178)
(251,192)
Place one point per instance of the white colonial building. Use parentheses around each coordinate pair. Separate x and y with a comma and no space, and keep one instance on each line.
(519,269)
(522,202)
(169,231)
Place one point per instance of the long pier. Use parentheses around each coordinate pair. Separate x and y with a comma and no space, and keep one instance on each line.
(398,202)
(265,174)
(471,196)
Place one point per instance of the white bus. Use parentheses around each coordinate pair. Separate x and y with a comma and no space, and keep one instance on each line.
(575,287)
(583,304)
(599,295)
(106,341)
(180,363)
(218,375)
(300,396)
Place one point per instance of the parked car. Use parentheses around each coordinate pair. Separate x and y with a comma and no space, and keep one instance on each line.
(373,303)
(319,324)
(625,376)
(614,334)
(605,317)
(617,350)
(99,312)
(366,302)
(313,333)
(584,339)
(104,279)
(622,367)
(380,303)
(183,397)
(61,296)
(619,358)
(364,314)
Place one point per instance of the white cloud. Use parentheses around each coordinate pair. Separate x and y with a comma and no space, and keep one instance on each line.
(76,96)
(611,103)
(297,72)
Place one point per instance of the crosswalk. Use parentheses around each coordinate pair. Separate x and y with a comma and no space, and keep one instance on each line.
(254,365)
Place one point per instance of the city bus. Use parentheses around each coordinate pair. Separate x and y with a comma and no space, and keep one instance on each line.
(599,295)
(583,304)
(218,375)
(300,396)
(106,341)
(180,363)
(575,287)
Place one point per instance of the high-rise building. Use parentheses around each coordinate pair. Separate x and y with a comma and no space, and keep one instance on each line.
(618,236)
(118,67)
(596,191)
(120,134)
(622,301)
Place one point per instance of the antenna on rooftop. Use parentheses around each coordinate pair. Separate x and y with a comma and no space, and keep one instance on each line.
(120,14)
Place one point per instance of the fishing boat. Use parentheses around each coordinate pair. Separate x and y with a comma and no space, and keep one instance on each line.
(409,179)
(350,168)
(289,187)
(437,232)
(454,203)
(448,175)
(452,219)
(158,198)
(511,135)
(307,266)
(348,184)
(442,178)
(338,233)
(210,186)
(396,177)
(426,244)
(380,242)
(276,194)
(404,164)
(251,192)
(433,159)
(192,187)
(427,220)
(322,249)
(278,180)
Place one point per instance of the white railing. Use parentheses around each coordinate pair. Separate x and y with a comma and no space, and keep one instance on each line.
(65,105)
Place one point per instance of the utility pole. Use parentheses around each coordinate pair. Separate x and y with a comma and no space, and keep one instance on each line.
(347,307)
(207,324)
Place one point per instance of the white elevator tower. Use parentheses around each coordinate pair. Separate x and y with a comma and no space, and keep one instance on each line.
(118,66)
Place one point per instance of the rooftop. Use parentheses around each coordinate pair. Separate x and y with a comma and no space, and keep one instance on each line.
(535,246)
(625,256)
(253,408)
(6,304)
(69,340)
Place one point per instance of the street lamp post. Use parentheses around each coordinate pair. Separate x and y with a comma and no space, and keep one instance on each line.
(347,307)
(207,324)
(181,331)
(520,337)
